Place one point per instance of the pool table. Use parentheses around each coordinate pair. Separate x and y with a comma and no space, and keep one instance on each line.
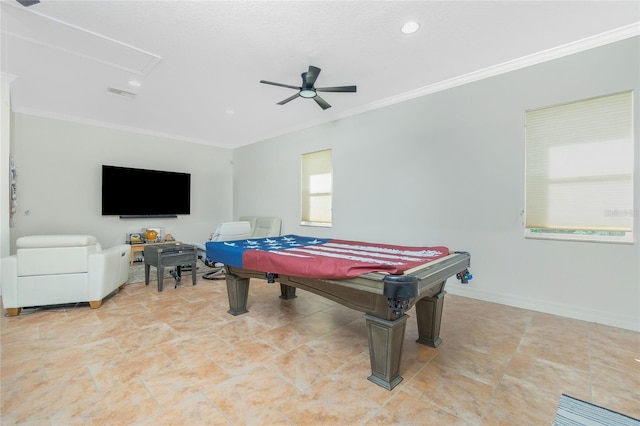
(382,297)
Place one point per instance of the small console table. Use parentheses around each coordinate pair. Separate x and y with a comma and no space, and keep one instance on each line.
(169,254)
(138,247)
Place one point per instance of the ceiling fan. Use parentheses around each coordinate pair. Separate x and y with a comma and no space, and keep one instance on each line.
(308,90)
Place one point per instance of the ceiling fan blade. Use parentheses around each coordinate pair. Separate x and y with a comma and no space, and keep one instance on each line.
(337,89)
(323,104)
(309,78)
(280,84)
(289,99)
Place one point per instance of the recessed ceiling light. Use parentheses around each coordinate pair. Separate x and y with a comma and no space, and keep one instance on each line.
(410,27)
(135,83)
(229,111)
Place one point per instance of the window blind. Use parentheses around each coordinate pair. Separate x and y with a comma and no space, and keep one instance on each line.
(579,170)
(316,188)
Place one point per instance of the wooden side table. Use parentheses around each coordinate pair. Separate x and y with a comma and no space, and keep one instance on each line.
(163,255)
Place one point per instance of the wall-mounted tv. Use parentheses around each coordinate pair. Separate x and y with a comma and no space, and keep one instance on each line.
(138,193)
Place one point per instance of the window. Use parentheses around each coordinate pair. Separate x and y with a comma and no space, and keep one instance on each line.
(317,183)
(579,170)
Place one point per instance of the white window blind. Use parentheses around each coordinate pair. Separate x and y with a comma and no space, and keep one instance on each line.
(316,188)
(579,170)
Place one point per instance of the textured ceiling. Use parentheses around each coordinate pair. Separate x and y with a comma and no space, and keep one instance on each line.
(200,62)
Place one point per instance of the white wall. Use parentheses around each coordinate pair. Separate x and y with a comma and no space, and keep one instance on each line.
(448,169)
(59,171)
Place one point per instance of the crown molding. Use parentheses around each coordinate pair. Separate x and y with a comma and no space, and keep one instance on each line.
(609,37)
(592,42)
(107,125)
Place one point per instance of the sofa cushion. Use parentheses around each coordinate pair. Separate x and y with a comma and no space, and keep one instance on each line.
(54,254)
(43,241)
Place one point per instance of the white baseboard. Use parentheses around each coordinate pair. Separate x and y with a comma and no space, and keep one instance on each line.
(546,306)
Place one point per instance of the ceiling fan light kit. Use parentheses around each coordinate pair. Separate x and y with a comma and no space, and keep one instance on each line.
(308,89)
(308,93)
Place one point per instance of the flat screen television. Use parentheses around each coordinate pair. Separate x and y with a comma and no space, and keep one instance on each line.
(137,193)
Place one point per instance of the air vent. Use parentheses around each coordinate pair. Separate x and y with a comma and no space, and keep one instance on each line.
(120,92)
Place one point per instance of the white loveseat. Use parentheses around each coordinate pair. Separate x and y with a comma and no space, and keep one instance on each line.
(57,269)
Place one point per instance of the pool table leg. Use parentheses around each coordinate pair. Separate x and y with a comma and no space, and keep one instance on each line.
(238,292)
(287,292)
(429,317)
(385,348)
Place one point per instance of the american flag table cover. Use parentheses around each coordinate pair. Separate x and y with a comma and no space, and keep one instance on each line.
(320,258)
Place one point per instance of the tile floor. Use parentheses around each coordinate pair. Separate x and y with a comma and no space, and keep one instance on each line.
(177,358)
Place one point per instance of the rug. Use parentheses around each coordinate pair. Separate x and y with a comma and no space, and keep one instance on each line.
(575,412)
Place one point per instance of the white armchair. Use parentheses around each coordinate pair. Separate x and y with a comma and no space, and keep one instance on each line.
(225,231)
(245,227)
(263,226)
(228,231)
(58,269)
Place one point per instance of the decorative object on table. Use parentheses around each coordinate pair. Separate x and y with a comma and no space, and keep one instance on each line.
(135,238)
(169,237)
(151,235)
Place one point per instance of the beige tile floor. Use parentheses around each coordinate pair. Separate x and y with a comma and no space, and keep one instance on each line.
(177,358)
